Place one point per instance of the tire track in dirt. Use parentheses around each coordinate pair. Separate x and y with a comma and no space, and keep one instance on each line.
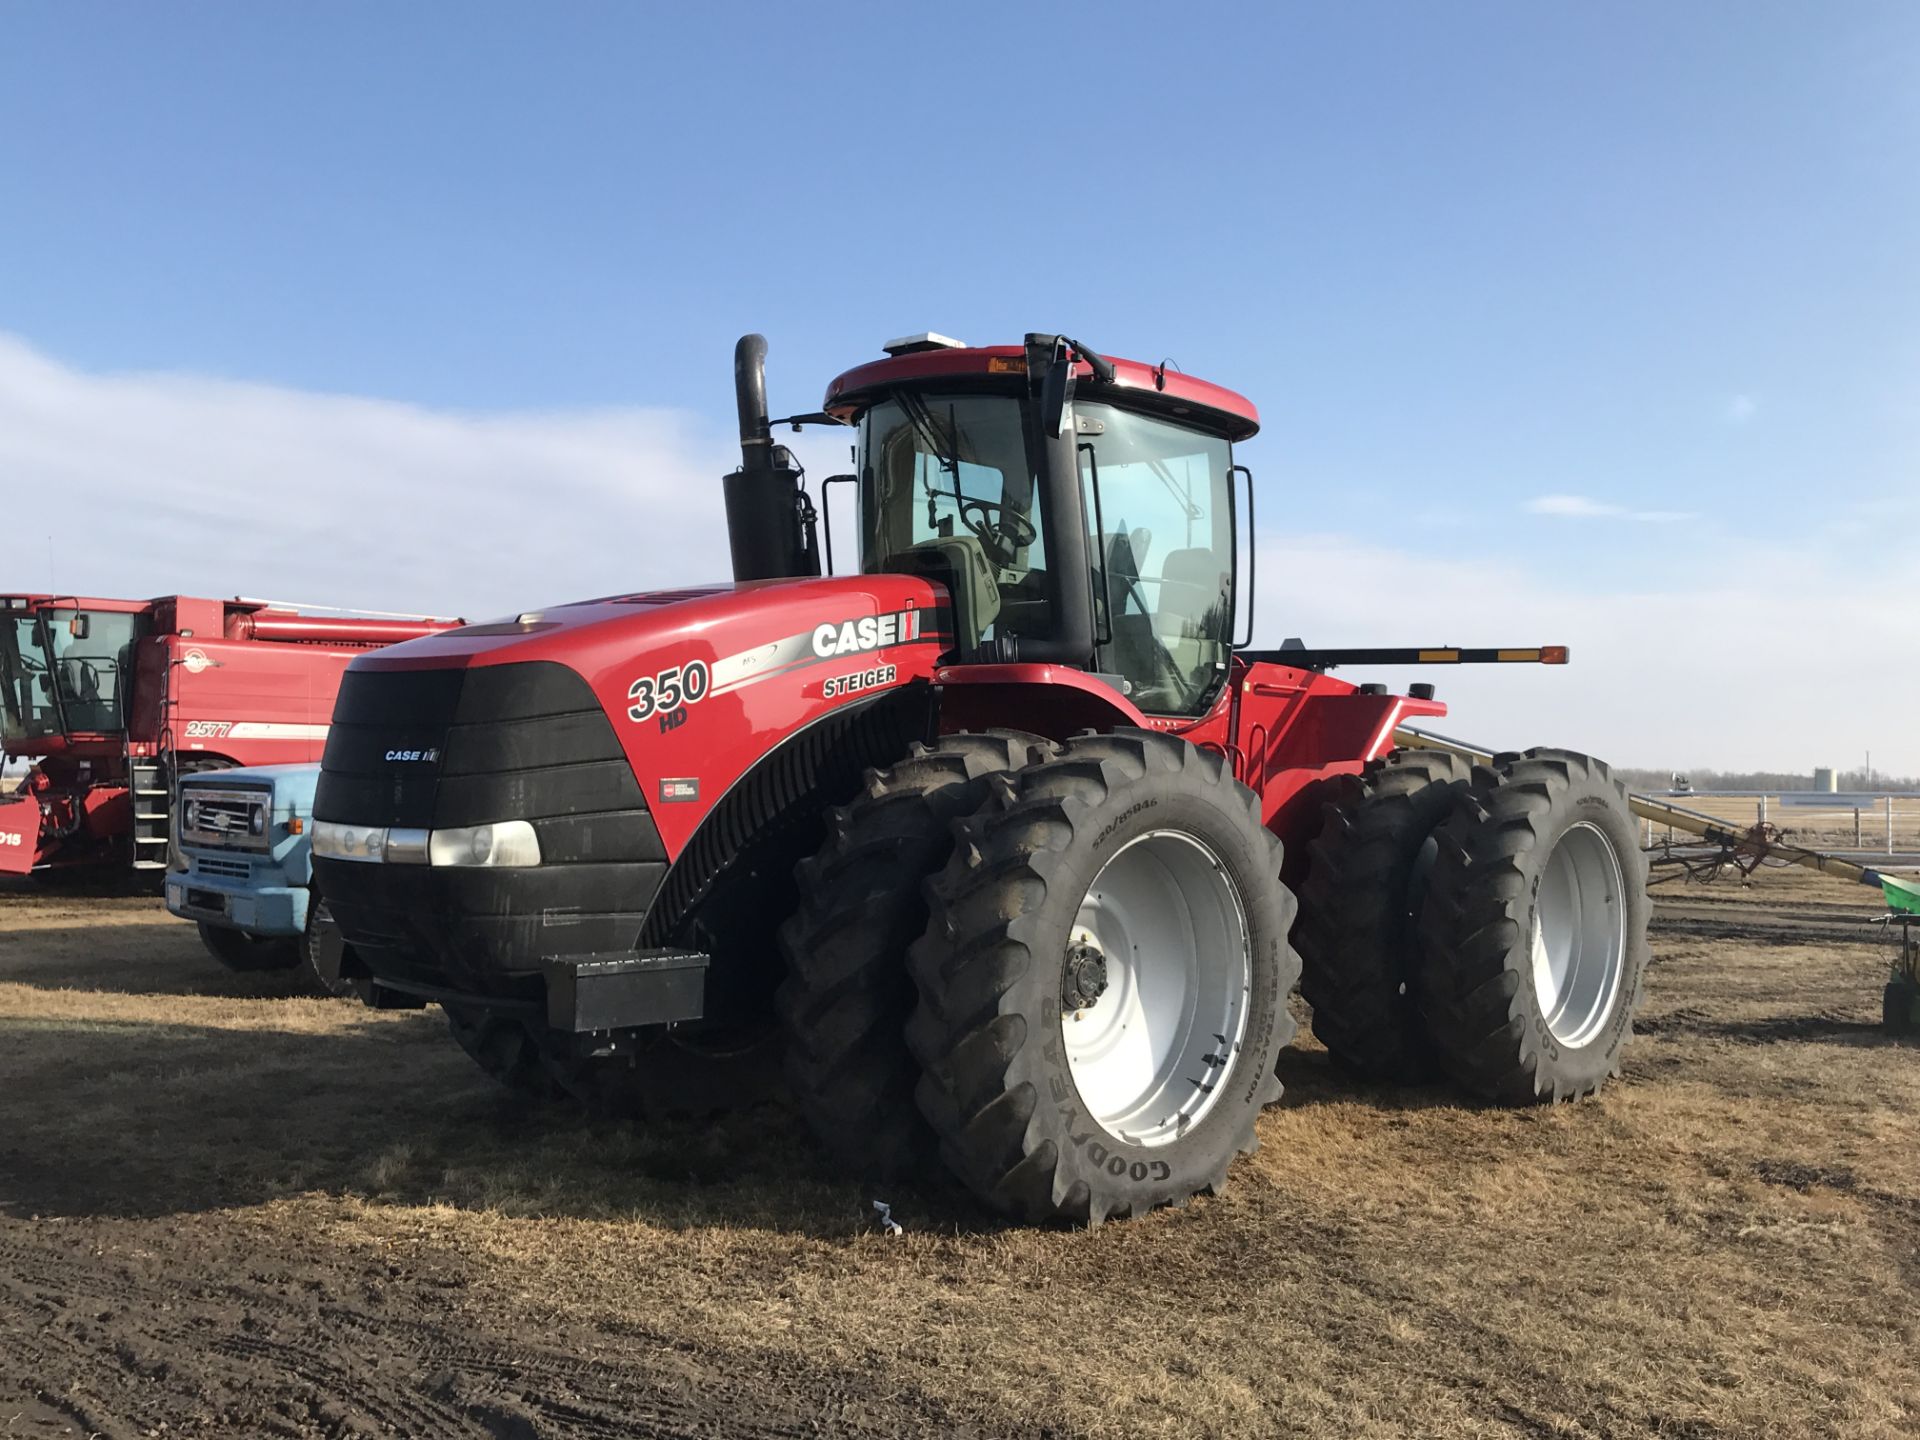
(122,1344)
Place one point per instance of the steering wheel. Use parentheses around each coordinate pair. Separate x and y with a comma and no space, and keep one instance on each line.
(81,677)
(1002,531)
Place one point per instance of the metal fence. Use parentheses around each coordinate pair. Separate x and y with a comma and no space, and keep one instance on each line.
(1868,822)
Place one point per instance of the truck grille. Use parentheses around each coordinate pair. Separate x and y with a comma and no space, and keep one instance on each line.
(221,815)
(521,741)
(220,867)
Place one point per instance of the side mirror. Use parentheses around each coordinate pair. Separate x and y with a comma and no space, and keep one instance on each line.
(79,626)
(1056,393)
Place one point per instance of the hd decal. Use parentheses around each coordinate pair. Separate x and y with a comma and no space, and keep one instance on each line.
(670,690)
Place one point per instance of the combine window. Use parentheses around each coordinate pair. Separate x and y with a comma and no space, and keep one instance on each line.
(92,655)
(26,685)
(1163,602)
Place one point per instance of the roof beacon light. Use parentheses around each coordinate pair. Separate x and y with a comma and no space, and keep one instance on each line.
(919,344)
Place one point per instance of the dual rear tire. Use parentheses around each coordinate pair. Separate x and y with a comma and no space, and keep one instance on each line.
(1488,924)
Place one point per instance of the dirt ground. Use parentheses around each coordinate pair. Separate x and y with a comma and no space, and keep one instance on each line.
(227,1208)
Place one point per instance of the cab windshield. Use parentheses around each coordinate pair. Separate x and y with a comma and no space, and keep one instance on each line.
(952,474)
(64,672)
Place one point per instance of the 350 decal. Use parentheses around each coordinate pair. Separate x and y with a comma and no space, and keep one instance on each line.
(670,690)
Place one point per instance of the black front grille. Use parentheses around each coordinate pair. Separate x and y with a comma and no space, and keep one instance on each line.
(431,749)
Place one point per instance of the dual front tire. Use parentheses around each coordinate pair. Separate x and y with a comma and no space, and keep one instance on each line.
(1097,972)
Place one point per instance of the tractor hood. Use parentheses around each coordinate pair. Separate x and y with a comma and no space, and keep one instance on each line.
(697,684)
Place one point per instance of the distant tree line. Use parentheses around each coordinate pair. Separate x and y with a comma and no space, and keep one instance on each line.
(1857,780)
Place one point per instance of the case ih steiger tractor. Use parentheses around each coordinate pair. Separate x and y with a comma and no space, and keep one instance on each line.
(998,838)
(114,700)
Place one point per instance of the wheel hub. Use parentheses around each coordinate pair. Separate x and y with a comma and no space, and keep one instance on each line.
(1160,962)
(1084,978)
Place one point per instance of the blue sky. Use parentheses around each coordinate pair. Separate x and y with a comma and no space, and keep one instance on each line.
(1514,285)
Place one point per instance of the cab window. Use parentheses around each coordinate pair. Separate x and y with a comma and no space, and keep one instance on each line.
(1161,527)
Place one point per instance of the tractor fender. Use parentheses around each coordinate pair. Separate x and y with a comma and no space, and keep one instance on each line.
(1051,700)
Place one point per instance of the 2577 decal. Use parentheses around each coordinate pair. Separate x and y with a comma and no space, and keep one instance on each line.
(670,690)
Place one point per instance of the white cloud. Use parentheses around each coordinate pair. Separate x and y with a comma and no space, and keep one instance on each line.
(1741,408)
(1579,507)
(152,484)
(1731,670)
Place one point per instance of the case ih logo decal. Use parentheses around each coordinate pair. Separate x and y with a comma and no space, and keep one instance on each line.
(669,694)
(869,632)
(424,757)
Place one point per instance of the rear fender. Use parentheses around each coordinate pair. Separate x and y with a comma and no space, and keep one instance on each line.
(1051,700)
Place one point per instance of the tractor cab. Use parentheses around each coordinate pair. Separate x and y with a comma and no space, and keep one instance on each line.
(1078,510)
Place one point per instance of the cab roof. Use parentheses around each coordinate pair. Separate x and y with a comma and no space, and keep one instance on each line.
(1159,390)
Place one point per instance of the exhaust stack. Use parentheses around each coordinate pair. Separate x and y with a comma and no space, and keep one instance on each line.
(770,520)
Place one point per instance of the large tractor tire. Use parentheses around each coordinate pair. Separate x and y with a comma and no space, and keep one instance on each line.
(323,936)
(1360,908)
(1534,931)
(1900,1006)
(508,1050)
(845,1001)
(1103,982)
(242,952)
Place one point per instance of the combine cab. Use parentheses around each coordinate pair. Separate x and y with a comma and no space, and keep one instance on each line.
(114,700)
(995,841)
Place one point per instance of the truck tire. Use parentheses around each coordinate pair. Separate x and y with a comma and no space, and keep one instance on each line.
(322,936)
(1121,844)
(1359,912)
(846,998)
(1534,932)
(242,952)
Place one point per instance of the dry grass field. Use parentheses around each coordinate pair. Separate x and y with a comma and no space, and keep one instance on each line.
(227,1208)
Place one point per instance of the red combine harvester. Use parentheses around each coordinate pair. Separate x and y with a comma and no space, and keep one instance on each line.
(996,840)
(115,699)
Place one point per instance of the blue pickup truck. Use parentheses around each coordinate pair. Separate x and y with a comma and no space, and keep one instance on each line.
(244,871)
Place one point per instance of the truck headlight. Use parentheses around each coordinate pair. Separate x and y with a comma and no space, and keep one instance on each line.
(507,842)
(190,814)
(257,819)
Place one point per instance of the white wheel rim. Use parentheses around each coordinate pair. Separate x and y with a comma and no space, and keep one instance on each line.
(1154,1051)
(1579,935)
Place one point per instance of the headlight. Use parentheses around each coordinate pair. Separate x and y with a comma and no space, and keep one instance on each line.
(190,814)
(257,819)
(509,842)
(349,842)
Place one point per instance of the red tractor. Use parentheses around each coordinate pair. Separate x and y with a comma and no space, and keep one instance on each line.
(114,700)
(997,840)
